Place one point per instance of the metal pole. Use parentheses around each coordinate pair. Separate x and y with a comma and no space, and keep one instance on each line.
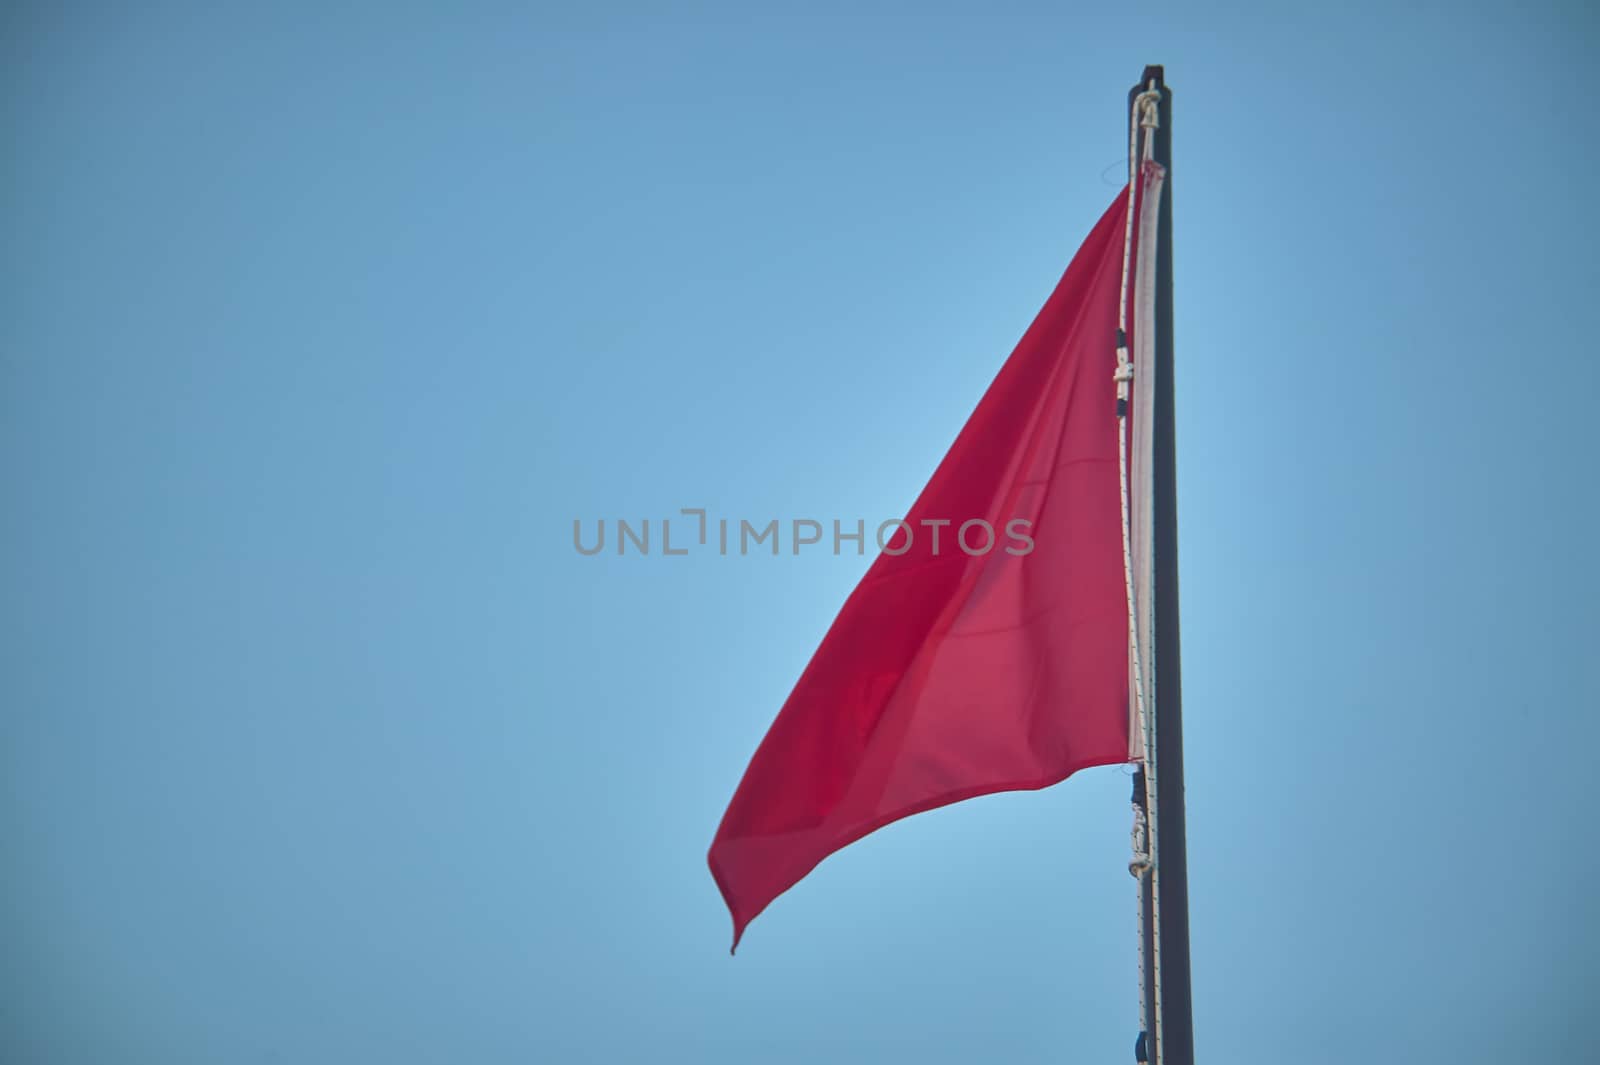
(1171,859)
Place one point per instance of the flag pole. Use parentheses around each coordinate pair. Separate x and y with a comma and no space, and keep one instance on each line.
(1175,1024)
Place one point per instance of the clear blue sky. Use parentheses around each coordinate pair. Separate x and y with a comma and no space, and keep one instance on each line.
(321,744)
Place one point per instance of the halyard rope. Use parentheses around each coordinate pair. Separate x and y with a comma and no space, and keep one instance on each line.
(1146,109)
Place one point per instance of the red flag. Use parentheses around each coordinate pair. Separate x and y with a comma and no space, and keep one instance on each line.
(953,672)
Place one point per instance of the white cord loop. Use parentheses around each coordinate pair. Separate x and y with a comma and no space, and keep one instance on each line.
(1149,105)
(1140,864)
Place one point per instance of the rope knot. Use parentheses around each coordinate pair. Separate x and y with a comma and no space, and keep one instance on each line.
(1149,105)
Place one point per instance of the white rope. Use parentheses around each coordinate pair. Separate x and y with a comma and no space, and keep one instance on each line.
(1144,839)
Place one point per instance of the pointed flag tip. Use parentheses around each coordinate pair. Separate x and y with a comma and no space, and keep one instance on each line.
(738,924)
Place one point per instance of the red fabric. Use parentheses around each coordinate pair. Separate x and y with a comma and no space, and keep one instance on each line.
(947,676)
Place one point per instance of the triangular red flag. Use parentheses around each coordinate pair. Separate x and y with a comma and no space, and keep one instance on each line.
(952,672)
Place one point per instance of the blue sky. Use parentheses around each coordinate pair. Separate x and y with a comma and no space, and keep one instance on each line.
(318,328)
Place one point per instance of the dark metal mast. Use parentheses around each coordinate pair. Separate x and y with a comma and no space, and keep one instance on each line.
(1176,1023)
